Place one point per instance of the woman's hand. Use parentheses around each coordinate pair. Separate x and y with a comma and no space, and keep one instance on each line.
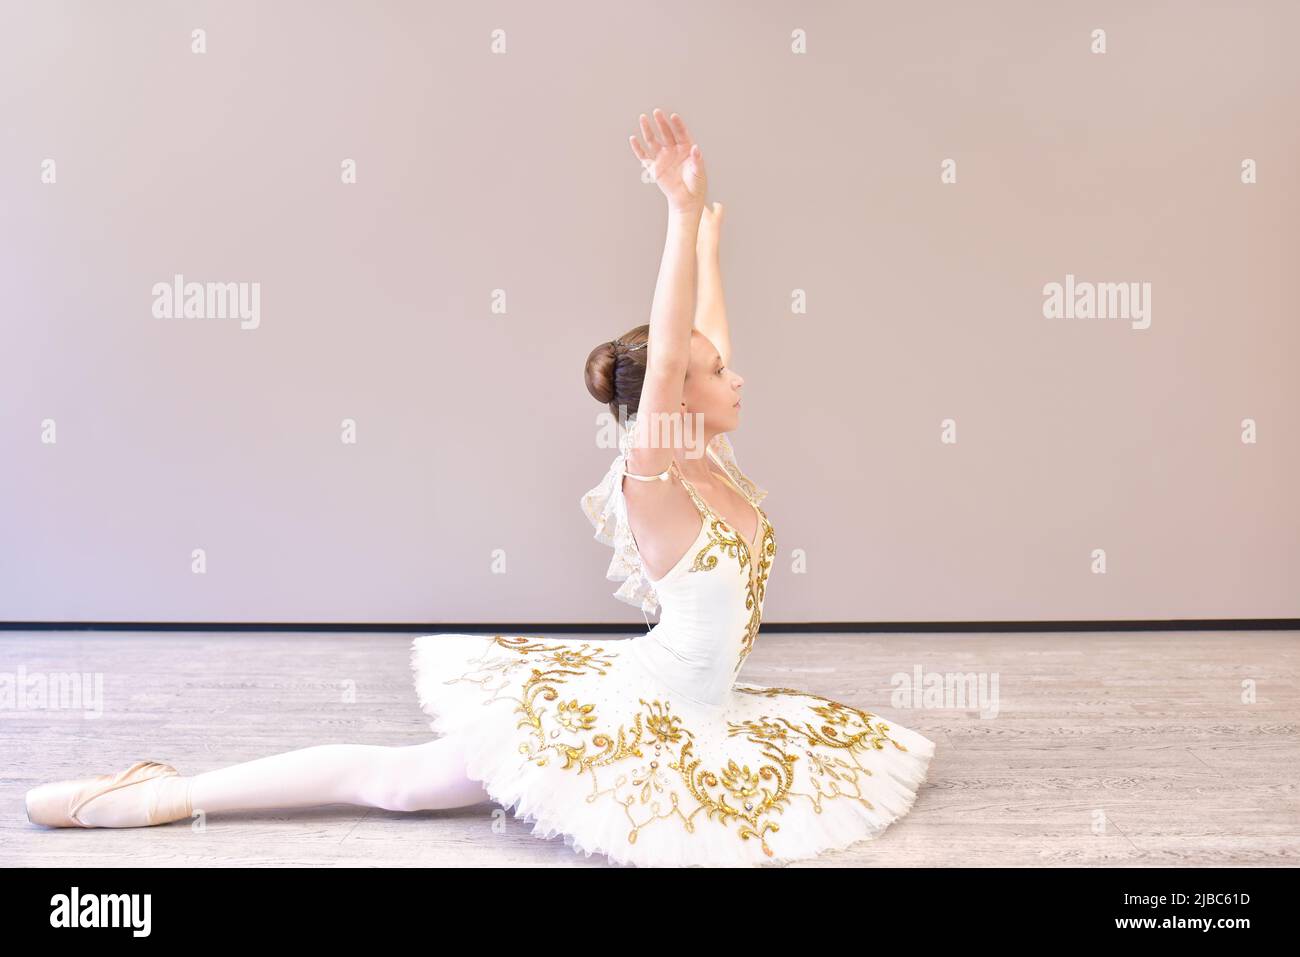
(674,160)
(710,229)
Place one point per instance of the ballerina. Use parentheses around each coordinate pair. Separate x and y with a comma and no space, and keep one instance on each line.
(648,750)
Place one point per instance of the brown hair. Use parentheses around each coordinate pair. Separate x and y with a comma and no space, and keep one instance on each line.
(615,371)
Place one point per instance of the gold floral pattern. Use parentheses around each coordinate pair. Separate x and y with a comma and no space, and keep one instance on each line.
(729,540)
(657,773)
(757,589)
(575,717)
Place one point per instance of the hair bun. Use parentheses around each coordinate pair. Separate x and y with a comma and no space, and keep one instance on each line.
(612,380)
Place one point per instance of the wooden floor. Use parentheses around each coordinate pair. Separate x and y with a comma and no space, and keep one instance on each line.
(1128,749)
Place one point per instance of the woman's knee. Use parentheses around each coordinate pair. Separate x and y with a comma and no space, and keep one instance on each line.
(422,777)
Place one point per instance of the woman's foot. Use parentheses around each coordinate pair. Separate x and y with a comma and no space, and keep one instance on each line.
(146,793)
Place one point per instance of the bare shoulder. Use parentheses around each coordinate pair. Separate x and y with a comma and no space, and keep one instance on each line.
(663,520)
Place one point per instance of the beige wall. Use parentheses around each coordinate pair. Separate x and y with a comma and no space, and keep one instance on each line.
(480,171)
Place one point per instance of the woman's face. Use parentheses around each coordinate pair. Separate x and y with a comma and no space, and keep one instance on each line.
(711,388)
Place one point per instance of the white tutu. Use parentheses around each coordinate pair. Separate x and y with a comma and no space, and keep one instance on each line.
(580,740)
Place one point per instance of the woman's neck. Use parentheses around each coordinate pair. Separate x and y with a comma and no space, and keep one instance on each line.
(695,467)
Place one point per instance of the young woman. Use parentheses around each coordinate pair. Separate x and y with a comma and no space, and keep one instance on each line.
(647,750)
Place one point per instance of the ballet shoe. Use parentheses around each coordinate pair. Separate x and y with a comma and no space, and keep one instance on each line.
(60,804)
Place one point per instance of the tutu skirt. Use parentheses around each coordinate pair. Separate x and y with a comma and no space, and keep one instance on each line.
(580,740)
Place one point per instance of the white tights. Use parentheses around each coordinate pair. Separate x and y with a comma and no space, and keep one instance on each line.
(416,777)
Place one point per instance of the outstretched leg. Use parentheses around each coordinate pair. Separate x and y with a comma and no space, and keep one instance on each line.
(418,777)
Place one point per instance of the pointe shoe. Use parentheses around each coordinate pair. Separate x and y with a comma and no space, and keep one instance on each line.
(59,804)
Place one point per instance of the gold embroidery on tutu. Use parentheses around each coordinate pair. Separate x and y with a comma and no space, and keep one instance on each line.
(649,792)
(843,728)
(656,726)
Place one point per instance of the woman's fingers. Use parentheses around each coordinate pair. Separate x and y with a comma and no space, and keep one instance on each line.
(697,156)
(682,133)
(662,143)
(665,129)
(636,148)
(648,134)
(665,132)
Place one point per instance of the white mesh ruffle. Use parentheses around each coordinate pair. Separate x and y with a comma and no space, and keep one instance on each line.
(606,507)
(726,456)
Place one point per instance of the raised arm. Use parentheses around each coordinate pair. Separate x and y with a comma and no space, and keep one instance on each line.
(710,307)
(677,166)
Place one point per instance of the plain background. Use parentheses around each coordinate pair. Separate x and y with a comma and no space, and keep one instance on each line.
(480,172)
